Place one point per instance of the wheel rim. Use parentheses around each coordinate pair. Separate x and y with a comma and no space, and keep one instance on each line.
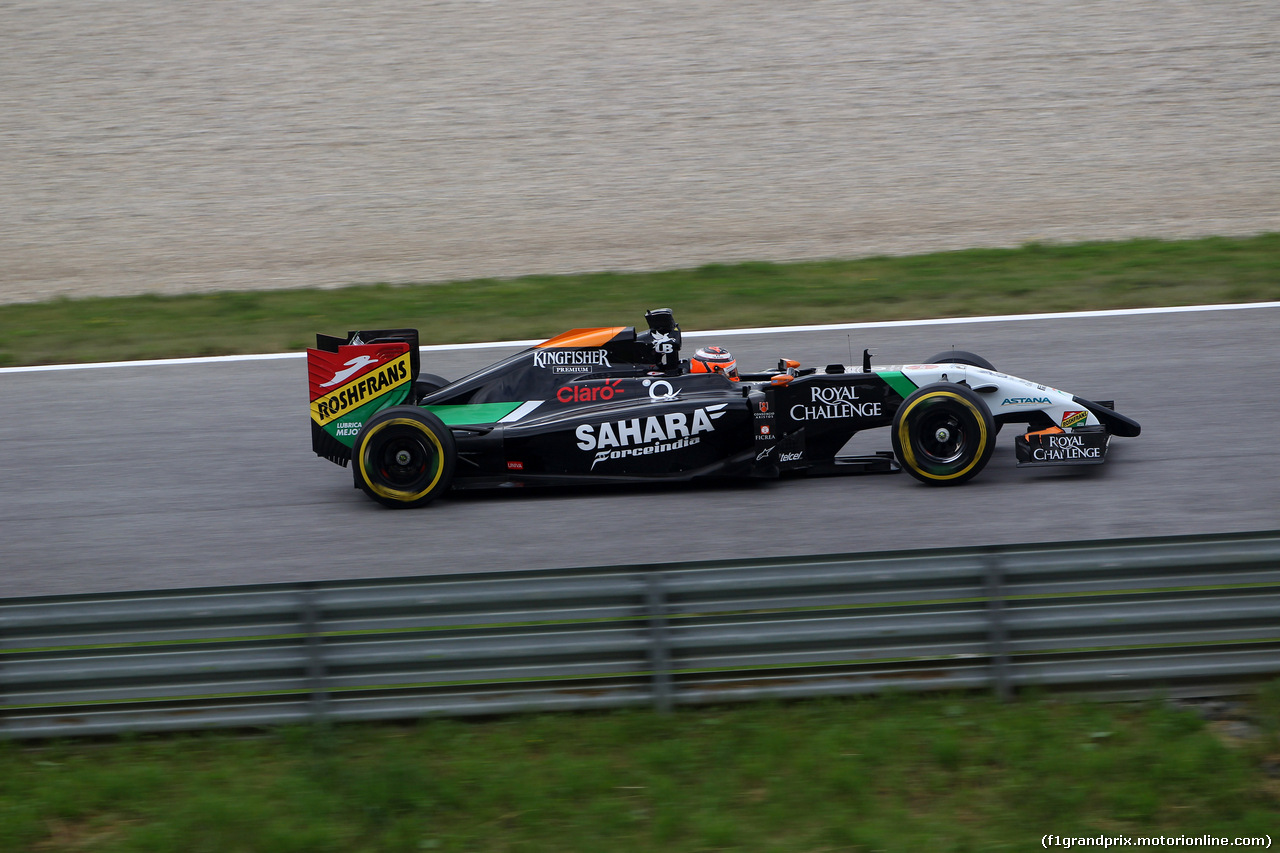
(943,438)
(403,461)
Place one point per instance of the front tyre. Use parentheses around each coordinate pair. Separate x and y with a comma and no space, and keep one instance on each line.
(960,356)
(943,434)
(404,457)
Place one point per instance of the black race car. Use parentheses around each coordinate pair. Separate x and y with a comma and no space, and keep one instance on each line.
(614,405)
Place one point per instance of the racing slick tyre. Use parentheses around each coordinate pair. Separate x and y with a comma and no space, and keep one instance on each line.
(404,457)
(943,434)
(427,383)
(959,356)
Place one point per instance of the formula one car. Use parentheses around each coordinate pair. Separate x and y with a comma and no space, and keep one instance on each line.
(614,405)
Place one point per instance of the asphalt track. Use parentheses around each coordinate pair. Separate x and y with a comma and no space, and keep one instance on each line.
(183,475)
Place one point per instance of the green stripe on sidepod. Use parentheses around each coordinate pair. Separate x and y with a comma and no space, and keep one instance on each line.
(899,382)
(475,413)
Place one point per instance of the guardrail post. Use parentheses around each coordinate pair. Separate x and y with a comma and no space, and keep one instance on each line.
(4,715)
(310,617)
(997,630)
(659,648)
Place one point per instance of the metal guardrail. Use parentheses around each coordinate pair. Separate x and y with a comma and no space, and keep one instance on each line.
(1187,616)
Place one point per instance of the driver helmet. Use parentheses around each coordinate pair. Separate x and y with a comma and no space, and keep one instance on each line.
(714,360)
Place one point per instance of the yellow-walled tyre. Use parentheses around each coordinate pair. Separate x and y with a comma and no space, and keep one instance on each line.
(404,457)
(943,434)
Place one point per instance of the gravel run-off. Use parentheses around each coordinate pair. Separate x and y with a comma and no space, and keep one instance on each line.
(174,146)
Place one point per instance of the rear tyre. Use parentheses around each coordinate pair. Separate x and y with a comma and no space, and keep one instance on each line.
(427,383)
(959,356)
(404,457)
(943,434)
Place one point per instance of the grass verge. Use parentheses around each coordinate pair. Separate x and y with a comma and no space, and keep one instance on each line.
(1129,274)
(893,773)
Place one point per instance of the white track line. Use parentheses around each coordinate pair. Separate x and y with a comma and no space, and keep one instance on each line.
(764,330)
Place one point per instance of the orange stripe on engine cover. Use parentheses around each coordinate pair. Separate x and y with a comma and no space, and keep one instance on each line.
(584,337)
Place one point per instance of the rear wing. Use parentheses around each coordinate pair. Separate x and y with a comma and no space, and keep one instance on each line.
(351,379)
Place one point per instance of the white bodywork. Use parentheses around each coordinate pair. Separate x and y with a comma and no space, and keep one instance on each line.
(1003,394)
